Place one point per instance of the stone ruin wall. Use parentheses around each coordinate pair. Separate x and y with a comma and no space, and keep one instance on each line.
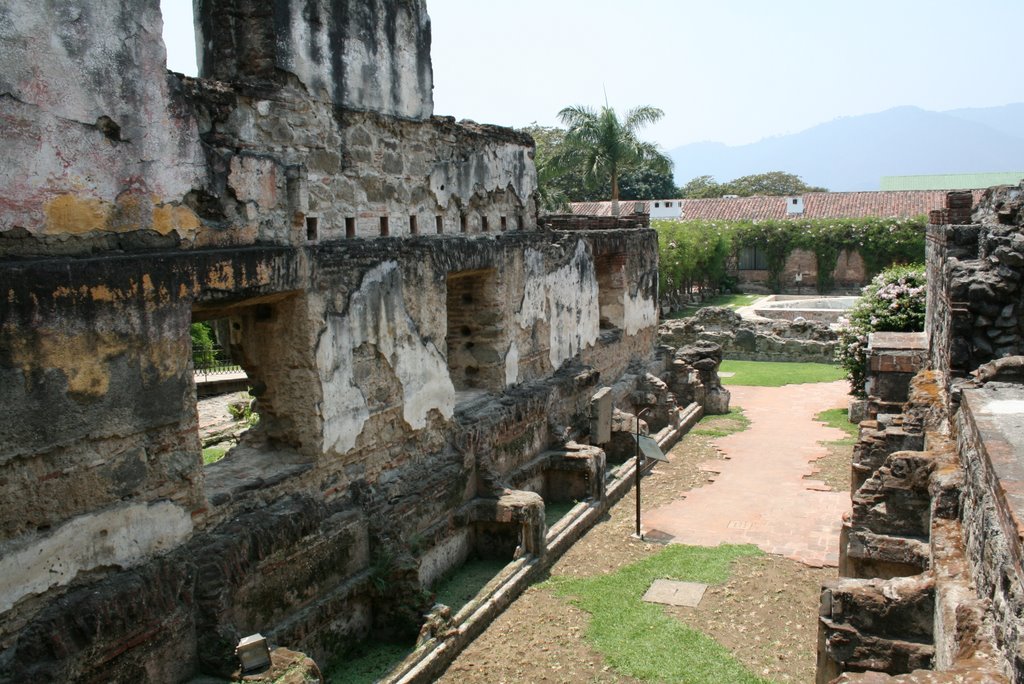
(931,566)
(753,340)
(138,201)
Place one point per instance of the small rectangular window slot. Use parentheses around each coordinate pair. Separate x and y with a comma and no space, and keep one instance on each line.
(522,222)
(312,228)
(504,223)
(483,224)
(463,223)
(350,227)
(413,230)
(439,221)
(384,229)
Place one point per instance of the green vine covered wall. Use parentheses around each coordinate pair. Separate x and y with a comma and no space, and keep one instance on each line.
(694,254)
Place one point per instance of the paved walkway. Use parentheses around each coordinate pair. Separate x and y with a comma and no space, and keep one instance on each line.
(760,495)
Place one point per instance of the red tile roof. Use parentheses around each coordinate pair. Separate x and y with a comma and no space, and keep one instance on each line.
(883,204)
(605,208)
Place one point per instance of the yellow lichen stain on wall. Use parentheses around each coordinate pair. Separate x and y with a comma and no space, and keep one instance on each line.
(222,276)
(84,358)
(71,214)
(95,293)
(76,215)
(81,358)
(168,218)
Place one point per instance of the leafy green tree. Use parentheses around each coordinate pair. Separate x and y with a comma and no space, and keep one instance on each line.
(605,147)
(647,183)
(702,187)
(556,186)
(773,183)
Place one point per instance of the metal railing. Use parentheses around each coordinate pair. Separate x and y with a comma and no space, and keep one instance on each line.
(213,360)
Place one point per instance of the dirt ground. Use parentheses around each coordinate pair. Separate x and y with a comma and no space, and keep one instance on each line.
(766,614)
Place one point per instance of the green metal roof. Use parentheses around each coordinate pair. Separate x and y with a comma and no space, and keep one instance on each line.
(952,181)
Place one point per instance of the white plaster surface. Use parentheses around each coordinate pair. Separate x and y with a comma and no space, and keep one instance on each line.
(491,169)
(512,365)
(378,75)
(566,298)
(52,59)
(254,179)
(1005,407)
(377,315)
(640,312)
(118,537)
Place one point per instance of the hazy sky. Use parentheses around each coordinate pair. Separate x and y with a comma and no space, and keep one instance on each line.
(731,71)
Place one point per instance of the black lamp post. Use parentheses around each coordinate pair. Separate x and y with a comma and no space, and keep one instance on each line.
(639,459)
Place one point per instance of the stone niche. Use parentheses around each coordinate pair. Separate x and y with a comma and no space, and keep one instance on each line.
(475,332)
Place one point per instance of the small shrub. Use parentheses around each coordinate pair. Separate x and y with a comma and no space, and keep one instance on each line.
(243,410)
(894,301)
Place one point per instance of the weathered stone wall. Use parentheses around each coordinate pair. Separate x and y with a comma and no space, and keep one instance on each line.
(372,56)
(975,297)
(304,206)
(752,340)
(989,443)
(946,514)
(254,161)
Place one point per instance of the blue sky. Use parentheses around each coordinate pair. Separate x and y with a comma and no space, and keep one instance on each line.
(731,71)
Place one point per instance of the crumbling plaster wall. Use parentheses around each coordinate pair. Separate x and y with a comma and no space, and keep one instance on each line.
(359,55)
(86,105)
(121,154)
(138,200)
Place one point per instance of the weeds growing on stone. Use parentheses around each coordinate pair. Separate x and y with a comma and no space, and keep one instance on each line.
(639,639)
(368,662)
(213,454)
(777,374)
(466,581)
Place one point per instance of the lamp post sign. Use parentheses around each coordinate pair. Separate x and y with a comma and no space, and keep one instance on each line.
(645,448)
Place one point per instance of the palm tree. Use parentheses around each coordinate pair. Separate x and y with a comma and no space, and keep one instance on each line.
(605,147)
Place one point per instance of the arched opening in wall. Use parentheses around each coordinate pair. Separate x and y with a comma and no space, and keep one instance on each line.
(611,289)
(225,406)
(475,338)
(263,414)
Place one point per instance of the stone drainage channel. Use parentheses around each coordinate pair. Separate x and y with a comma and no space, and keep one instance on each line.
(431,658)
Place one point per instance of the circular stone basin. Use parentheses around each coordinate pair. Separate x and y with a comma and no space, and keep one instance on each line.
(820,309)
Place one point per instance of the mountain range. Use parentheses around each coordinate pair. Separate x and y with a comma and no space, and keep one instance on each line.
(854,152)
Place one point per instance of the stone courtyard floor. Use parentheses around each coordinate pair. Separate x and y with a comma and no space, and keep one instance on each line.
(761,494)
(754,487)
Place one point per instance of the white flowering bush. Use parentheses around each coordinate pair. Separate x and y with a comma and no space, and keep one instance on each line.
(894,301)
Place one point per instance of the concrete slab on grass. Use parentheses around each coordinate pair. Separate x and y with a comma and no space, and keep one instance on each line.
(675,593)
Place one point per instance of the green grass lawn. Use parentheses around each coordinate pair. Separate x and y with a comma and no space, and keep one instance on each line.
(732,301)
(839,418)
(772,374)
(720,426)
(638,639)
